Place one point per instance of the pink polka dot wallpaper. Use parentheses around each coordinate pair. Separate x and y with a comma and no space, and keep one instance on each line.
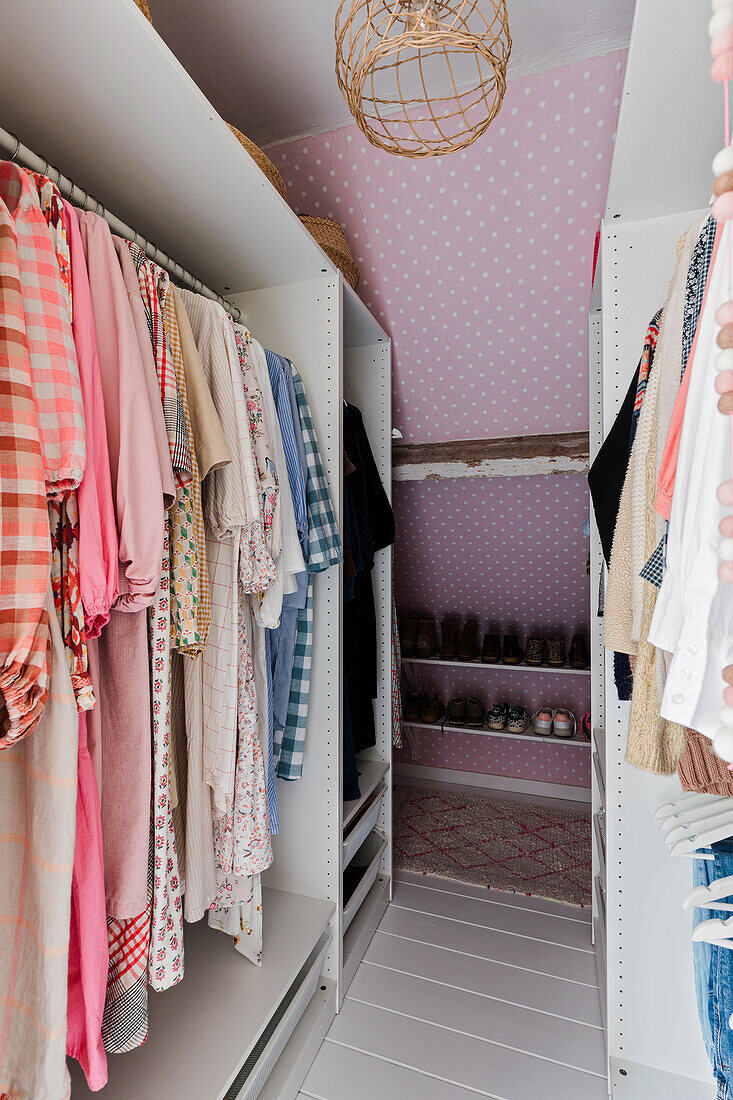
(509,552)
(479,264)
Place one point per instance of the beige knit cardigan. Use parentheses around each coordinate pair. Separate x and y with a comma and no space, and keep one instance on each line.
(653,743)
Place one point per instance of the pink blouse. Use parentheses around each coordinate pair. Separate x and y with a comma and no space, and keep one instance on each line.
(134,465)
(98,544)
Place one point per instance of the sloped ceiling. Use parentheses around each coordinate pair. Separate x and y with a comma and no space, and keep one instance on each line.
(267,66)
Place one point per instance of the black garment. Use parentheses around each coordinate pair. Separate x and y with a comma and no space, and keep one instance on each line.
(369,526)
(607,474)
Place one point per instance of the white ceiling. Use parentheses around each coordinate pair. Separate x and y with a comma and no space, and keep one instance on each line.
(267,66)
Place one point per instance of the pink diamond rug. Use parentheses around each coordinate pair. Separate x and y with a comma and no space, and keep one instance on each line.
(494,842)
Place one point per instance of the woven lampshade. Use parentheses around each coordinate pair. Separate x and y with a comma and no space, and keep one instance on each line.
(332,239)
(422,77)
(262,161)
(143,5)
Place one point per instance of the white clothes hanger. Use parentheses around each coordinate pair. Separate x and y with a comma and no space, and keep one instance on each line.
(706,897)
(716,931)
(692,828)
(697,813)
(723,830)
(687,802)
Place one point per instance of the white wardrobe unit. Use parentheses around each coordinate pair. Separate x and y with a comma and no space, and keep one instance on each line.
(669,129)
(113,110)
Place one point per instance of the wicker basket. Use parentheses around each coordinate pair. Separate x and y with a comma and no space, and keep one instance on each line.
(332,239)
(263,162)
(143,5)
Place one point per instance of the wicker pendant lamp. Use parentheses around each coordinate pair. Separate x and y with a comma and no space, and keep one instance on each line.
(422,77)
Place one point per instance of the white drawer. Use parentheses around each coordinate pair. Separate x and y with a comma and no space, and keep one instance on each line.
(361,830)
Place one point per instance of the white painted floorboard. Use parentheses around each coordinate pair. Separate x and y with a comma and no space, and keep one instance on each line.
(463,994)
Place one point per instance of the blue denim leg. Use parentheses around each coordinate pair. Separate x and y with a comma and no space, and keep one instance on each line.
(702,875)
(721,985)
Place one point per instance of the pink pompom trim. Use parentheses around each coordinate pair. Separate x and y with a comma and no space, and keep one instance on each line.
(725,492)
(724,313)
(722,67)
(723,207)
(722,42)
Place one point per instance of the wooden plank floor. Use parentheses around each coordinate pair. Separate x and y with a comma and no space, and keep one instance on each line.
(466,992)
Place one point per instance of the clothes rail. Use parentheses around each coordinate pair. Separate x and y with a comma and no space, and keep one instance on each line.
(12,147)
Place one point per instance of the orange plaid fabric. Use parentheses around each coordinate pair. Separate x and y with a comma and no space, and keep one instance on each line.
(25,551)
(54,370)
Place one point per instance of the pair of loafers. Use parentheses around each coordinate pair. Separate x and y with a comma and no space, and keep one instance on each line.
(423,708)
(469,712)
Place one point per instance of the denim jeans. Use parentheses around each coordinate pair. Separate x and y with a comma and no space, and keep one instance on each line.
(714,975)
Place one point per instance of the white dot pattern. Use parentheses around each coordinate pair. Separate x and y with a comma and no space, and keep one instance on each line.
(479,266)
(479,263)
(511,553)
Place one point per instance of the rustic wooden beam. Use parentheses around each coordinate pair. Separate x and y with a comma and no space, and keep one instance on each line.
(505,456)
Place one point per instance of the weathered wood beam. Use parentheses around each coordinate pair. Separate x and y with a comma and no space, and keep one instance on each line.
(505,456)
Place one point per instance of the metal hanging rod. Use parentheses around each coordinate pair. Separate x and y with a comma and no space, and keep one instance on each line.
(12,148)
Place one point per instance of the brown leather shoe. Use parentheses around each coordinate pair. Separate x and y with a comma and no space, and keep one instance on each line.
(432,710)
(475,712)
(491,652)
(468,642)
(427,642)
(534,650)
(457,711)
(449,630)
(556,650)
(411,707)
(579,655)
(511,653)
(408,637)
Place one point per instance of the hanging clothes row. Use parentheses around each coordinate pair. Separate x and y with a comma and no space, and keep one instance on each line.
(659,492)
(164,509)
(639,487)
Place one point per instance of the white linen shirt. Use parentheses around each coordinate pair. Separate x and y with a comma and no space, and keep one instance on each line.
(693,617)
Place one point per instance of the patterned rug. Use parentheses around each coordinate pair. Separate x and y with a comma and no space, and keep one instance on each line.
(494,842)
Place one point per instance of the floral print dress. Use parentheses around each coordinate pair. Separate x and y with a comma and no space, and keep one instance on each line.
(165,958)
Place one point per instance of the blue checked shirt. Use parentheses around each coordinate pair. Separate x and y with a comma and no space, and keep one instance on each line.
(324,550)
(280,379)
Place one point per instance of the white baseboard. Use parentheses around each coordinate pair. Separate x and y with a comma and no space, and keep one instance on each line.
(493,782)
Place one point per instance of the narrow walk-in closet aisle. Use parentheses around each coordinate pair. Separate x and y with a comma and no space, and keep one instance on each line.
(466,992)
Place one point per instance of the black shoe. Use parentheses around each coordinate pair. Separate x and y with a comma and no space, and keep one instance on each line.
(511,652)
(498,716)
(491,652)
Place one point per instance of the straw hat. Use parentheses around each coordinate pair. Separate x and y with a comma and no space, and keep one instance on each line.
(332,239)
(143,5)
(263,162)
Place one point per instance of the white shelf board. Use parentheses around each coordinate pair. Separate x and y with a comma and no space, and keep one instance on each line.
(203,1029)
(131,127)
(496,666)
(370,774)
(574,741)
(361,329)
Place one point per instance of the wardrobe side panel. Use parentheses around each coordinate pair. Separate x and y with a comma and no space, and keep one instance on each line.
(368,384)
(302,322)
(669,105)
(652,1012)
